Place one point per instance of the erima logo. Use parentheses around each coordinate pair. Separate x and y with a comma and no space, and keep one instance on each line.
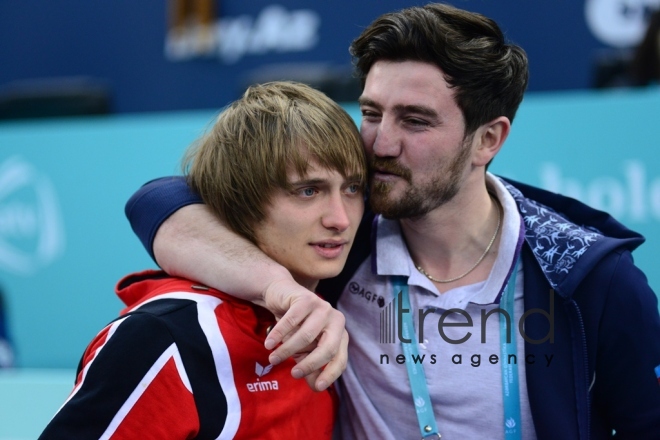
(262,371)
(31,232)
(266,385)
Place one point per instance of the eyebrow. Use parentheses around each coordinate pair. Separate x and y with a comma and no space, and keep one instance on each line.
(305,182)
(402,109)
(366,101)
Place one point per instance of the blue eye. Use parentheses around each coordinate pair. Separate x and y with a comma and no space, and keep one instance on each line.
(307,192)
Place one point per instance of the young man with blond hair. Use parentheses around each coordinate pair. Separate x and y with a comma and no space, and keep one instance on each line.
(187,361)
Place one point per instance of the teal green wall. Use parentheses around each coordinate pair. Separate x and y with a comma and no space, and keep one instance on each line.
(30,398)
(64,240)
(60,299)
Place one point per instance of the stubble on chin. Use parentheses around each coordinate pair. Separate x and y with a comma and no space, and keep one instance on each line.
(380,192)
(417,200)
(379,198)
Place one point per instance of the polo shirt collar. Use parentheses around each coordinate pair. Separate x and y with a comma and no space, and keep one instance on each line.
(391,256)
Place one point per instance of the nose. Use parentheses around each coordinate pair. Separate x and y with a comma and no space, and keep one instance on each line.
(387,143)
(336,214)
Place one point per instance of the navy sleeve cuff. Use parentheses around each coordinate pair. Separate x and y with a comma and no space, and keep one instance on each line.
(153,203)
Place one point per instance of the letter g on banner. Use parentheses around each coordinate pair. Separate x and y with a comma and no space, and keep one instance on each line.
(31,232)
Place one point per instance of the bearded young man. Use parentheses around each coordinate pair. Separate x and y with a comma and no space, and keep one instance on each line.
(453,246)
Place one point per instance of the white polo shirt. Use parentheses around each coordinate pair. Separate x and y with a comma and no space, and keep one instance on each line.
(464,384)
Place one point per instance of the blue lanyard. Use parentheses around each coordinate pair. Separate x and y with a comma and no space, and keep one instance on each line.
(420,391)
(510,394)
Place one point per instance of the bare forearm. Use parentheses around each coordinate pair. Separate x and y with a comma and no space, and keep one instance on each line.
(195,244)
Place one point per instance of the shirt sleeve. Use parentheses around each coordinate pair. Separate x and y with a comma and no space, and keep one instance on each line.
(130,380)
(153,203)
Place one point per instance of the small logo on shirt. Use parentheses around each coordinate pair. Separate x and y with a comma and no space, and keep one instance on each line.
(259,385)
(510,423)
(262,371)
(356,289)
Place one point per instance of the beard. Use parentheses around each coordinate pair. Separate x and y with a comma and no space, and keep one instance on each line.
(417,200)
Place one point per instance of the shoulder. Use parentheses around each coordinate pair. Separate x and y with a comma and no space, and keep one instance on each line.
(165,306)
(576,212)
(569,240)
(623,283)
(130,338)
(150,329)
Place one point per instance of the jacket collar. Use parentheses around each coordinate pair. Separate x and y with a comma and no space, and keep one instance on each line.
(565,250)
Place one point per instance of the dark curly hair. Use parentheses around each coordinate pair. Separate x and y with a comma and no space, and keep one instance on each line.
(489,75)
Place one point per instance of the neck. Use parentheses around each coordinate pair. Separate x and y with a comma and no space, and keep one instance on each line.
(308,283)
(448,241)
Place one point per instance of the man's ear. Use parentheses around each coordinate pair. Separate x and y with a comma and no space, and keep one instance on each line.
(489,138)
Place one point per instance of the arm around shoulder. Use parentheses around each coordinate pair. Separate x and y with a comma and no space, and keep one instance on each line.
(153,203)
(186,239)
(190,241)
(195,244)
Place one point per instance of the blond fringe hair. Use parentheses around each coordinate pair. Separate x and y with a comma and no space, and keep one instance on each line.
(273,128)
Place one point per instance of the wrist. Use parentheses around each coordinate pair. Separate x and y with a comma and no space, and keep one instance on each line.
(270,294)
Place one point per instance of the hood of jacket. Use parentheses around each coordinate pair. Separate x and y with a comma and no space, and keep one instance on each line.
(137,287)
(567,237)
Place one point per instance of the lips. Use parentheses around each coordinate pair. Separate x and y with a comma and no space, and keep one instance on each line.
(388,169)
(384,171)
(329,248)
(385,175)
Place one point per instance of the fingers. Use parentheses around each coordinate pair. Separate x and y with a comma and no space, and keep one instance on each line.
(328,347)
(334,368)
(303,317)
(287,300)
(320,379)
(310,330)
(311,380)
(322,324)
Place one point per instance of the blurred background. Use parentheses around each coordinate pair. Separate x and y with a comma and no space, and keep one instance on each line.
(96,98)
